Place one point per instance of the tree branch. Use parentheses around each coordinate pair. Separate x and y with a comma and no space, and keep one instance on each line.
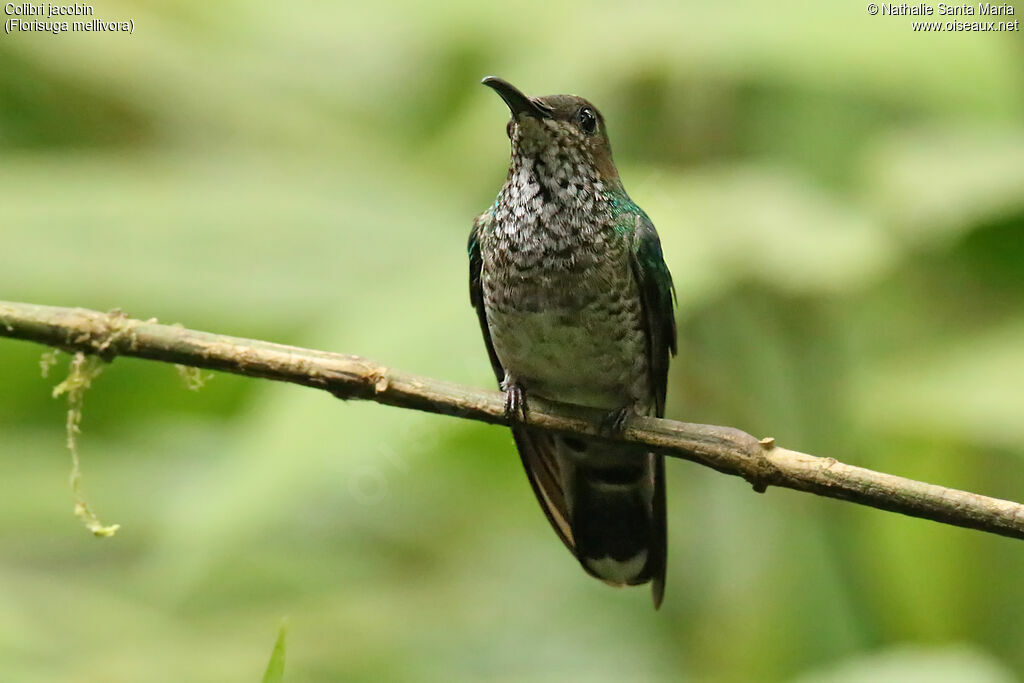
(725,449)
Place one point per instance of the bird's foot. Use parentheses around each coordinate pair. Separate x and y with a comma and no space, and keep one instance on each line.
(614,423)
(515,400)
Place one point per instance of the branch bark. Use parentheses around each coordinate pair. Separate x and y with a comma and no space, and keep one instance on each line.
(725,449)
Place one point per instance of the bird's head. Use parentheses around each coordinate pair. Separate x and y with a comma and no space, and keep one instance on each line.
(564,136)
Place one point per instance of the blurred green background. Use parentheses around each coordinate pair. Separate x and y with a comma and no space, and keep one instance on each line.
(841,202)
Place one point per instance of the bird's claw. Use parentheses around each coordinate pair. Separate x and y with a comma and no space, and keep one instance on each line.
(515,402)
(614,423)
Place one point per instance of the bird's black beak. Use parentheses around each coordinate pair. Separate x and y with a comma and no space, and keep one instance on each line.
(517,102)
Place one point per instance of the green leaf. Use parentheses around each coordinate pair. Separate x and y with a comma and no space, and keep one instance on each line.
(275,667)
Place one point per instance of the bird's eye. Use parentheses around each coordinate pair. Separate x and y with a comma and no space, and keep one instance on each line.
(587,120)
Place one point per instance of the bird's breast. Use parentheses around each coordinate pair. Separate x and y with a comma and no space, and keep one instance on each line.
(568,326)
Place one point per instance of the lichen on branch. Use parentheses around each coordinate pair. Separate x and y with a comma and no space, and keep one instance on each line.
(82,370)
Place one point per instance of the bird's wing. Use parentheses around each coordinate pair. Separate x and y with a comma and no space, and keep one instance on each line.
(657,295)
(476,291)
(537,450)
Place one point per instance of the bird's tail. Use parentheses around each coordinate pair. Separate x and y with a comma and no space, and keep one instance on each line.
(607,506)
(617,517)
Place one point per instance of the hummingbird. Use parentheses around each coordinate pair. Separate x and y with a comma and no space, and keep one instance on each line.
(575,304)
